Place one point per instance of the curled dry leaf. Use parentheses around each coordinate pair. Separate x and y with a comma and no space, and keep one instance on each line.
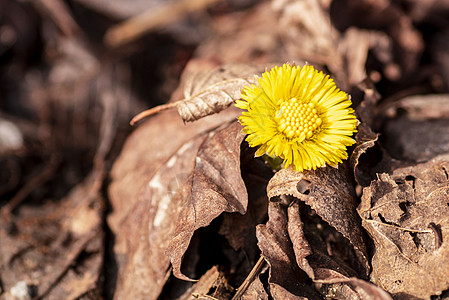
(215,186)
(365,139)
(321,253)
(407,215)
(368,158)
(330,192)
(286,279)
(210,92)
(312,256)
(367,107)
(238,229)
(196,83)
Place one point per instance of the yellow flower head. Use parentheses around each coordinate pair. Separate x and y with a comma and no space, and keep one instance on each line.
(299,115)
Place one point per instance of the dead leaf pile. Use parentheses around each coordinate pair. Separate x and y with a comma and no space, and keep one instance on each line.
(314,238)
(179,207)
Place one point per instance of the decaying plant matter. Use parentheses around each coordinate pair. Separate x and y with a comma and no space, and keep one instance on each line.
(347,198)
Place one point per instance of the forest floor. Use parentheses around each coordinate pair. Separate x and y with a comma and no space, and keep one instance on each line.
(177,206)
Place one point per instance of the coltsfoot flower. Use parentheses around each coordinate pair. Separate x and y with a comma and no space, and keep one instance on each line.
(299,115)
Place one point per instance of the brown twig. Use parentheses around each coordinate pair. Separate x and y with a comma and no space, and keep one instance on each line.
(254,272)
(151,111)
(151,19)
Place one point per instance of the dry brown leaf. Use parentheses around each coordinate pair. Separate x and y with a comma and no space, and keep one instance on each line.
(367,108)
(198,82)
(286,279)
(308,34)
(364,290)
(389,16)
(407,216)
(356,45)
(301,246)
(207,92)
(421,107)
(421,131)
(365,139)
(246,36)
(215,186)
(150,223)
(210,92)
(238,229)
(313,257)
(330,192)
(325,256)
(366,158)
(145,179)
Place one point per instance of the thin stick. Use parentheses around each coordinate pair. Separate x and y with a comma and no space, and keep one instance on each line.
(151,111)
(254,272)
(151,19)
(60,15)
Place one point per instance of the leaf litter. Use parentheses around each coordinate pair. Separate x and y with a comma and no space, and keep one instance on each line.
(191,201)
(406,214)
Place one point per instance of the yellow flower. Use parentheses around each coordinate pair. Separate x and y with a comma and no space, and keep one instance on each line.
(299,115)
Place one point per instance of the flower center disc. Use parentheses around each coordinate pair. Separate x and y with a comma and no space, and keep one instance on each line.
(297,119)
